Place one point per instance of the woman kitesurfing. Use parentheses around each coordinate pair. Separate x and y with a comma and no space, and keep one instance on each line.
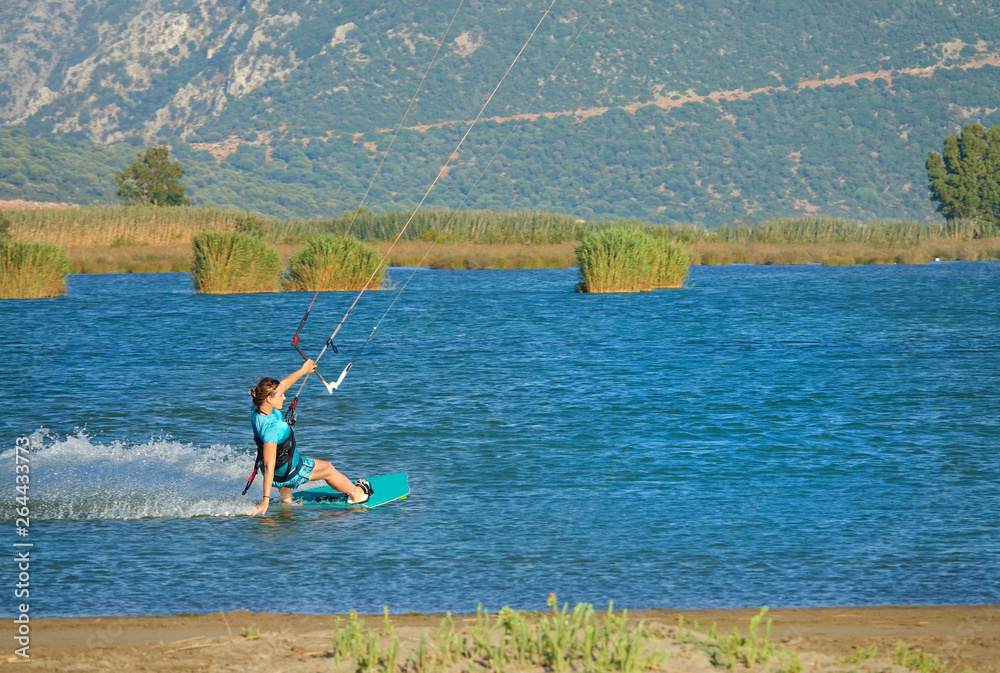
(284,468)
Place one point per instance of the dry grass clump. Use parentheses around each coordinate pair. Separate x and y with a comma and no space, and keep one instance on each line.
(837,260)
(844,254)
(330,262)
(131,259)
(629,260)
(32,270)
(227,262)
(484,255)
(978,250)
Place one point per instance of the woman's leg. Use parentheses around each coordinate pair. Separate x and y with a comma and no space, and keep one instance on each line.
(333,477)
(286,493)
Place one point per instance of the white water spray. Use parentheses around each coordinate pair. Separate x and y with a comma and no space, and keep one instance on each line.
(77,477)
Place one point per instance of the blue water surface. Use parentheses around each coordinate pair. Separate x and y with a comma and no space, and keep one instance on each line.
(767,435)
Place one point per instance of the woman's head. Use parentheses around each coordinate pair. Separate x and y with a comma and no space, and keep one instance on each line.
(264,389)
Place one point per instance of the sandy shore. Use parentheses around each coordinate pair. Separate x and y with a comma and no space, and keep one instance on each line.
(964,636)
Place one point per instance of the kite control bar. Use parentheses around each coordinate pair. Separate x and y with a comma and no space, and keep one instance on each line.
(330,387)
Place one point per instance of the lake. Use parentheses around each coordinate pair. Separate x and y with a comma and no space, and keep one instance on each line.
(782,436)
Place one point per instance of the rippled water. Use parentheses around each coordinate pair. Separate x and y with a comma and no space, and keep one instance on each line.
(768,435)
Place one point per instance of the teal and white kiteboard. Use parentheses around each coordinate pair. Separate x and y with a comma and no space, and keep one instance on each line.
(385,489)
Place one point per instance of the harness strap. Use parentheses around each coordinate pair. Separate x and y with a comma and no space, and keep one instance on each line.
(286,448)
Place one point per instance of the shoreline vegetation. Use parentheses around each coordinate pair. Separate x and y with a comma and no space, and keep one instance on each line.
(233,262)
(889,639)
(629,260)
(331,262)
(138,239)
(30,270)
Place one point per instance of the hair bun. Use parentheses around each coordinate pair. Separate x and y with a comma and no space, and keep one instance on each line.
(251,392)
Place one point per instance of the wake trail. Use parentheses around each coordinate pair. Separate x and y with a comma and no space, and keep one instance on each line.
(78,477)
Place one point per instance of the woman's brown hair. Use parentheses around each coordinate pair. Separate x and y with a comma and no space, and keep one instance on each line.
(265,387)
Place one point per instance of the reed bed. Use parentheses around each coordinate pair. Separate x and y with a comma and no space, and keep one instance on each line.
(330,262)
(629,260)
(118,225)
(110,225)
(32,270)
(227,262)
(178,257)
(473,226)
(874,233)
(110,238)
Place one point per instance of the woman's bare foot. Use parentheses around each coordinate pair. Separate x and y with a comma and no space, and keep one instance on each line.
(362,492)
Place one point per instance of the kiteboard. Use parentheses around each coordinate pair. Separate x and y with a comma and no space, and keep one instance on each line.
(385,489)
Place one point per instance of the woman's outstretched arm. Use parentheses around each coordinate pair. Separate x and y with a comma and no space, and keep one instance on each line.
(308,367)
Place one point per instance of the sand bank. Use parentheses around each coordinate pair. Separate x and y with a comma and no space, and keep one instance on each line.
(964,636)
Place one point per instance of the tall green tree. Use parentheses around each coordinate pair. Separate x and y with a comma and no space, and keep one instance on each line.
(153,180)
(965,180)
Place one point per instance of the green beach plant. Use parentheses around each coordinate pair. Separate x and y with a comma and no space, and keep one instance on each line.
(733,649)
(861,654)
(31,270)
(227,262)
(351,265)
(917,659)
(793,665)
(560,641)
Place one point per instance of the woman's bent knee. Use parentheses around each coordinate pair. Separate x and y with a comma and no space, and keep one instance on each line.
(322,470)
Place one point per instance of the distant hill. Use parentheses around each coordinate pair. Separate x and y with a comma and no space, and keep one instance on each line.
(710,112)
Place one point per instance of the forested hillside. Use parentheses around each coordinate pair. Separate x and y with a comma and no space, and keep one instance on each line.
(706,112)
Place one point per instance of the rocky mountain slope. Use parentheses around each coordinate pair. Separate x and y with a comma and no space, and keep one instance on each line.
(713,111)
